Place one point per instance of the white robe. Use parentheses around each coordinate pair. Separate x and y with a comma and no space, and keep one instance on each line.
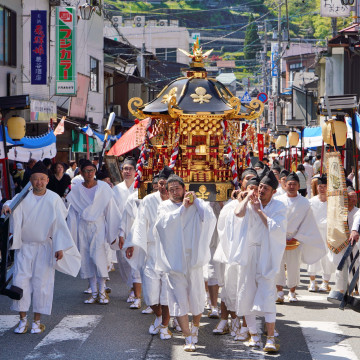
(214,271)
(324,265)
(92,224)
(40,230)
(279,191)
(144,255)
(258,249)
(183,237)
(122,192)
(225,229)
(128,217)
(301,225)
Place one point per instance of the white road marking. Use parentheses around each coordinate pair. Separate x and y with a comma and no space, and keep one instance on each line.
(314,298)
(7,322)
(70,328)
(326,340)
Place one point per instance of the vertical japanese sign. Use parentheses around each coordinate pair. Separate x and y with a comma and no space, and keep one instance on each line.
(274,59)
(65,51)
(271,113)
(38,47)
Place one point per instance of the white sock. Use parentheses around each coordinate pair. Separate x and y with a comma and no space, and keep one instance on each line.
(158,321)
(93,286)
(101,283)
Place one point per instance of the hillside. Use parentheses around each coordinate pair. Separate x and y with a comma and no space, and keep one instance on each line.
(215,18)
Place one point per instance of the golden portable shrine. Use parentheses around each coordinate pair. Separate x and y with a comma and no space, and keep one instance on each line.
(193,124)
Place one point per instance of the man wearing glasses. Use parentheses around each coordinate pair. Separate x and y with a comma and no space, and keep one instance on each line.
(93,219)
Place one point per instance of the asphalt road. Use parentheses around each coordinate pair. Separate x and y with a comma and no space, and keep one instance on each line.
(309,329)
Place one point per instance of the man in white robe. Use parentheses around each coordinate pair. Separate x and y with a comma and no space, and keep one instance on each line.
(128,217)
(324,265)
(93,220)
(42,243)
(122,193)
(258,246)
(214,271)
(141,250)
(183,230)
(342,277)
(228,292)
(303,239)
(281,190)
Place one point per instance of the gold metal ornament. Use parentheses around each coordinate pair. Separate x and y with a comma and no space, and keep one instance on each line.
(171,93)
(203,194)
(137,102)
(201,96)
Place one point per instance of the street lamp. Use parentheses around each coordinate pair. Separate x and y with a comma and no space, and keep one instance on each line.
(86,11)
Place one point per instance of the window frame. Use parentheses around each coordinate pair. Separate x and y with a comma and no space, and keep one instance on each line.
(97,74)
(9,34)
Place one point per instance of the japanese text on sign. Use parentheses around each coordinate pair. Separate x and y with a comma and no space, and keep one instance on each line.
(38,47)
(65,51)
(334,8)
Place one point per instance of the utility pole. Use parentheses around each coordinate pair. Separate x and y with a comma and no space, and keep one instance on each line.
(279,54)
(264,59)
(278,107)
(334,26)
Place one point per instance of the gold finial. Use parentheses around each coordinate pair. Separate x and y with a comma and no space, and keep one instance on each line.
(197,55)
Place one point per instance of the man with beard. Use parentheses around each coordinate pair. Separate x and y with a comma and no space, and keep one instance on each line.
(183,231)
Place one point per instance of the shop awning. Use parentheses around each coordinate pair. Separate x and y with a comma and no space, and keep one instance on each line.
(37,147)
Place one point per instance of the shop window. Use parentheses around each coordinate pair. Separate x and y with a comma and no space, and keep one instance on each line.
(7,37)
(94,74)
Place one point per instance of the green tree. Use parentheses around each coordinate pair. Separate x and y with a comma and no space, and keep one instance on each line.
(252,41)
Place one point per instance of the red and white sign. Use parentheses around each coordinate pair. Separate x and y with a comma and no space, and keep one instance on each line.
(271,113)
(262,97)
(260,138)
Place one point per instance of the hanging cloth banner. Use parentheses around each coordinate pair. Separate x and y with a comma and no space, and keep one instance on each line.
(38,148)
(337,204)
(260,138)
(38,47)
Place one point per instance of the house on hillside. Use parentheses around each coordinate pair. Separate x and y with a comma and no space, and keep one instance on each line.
(161,37)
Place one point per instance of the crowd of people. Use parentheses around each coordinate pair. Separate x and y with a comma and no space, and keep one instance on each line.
(175,251)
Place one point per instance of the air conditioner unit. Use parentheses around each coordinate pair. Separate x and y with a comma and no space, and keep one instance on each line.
(116,25)
(117,110)
(139,21)
(163,23)
(174,23)
(117,19)
(54,2)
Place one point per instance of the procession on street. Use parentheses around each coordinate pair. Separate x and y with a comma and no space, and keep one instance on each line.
(198,211)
